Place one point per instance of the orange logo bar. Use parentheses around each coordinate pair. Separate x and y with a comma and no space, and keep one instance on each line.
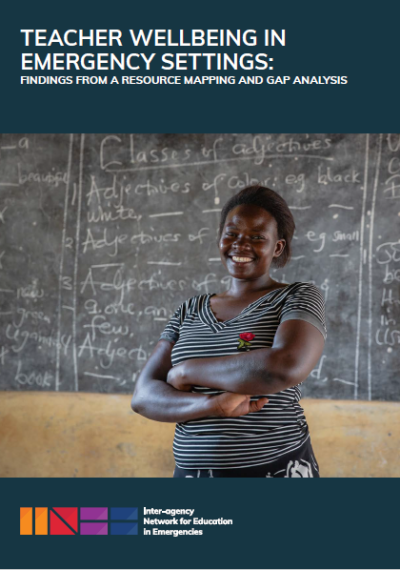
(25,520)
(41,520)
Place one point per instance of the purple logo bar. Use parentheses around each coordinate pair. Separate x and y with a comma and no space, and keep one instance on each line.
(94,528)
(94,513)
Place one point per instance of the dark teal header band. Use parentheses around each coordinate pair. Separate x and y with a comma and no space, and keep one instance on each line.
(221,67)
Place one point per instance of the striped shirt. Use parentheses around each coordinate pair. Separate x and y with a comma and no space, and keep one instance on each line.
(256,438)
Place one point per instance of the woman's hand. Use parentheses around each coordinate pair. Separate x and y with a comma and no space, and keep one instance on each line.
(177,379)
(229,405)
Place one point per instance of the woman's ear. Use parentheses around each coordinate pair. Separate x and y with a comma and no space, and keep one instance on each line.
(279,247)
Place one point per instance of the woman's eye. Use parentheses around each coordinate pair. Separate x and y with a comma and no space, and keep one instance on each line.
(257,237)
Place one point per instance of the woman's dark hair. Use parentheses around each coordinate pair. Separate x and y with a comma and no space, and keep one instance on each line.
(275,205)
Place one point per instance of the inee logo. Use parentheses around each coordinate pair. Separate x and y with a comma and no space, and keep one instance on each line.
(78,521)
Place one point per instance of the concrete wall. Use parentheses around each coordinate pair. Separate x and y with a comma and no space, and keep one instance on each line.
(97,435)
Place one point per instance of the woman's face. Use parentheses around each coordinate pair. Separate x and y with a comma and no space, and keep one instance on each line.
(249,242)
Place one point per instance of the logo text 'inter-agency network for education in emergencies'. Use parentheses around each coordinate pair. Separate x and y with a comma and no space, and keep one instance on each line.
(78,521)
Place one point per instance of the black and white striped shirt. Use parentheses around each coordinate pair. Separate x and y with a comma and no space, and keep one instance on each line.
(259,437)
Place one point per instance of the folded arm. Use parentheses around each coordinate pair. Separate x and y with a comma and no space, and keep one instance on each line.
(297,347)
(154,398)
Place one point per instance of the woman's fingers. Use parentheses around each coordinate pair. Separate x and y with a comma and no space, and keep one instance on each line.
(256,405)
(233,405)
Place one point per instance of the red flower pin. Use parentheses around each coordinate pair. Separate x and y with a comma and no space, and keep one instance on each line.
(245,339)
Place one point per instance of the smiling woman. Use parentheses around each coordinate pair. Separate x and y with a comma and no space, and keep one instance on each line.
(228,367)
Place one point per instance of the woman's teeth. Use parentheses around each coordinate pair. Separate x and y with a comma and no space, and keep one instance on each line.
(241,259)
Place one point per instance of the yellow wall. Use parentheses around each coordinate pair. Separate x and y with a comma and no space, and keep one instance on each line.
(97,435)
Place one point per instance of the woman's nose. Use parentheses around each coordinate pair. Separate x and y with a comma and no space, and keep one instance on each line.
(241,240)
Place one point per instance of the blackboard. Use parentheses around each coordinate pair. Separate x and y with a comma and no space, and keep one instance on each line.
(103,236)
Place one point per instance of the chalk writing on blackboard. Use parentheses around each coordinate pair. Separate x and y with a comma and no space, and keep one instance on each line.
(103,236)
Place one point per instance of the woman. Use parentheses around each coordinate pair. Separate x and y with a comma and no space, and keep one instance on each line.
(227,367)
